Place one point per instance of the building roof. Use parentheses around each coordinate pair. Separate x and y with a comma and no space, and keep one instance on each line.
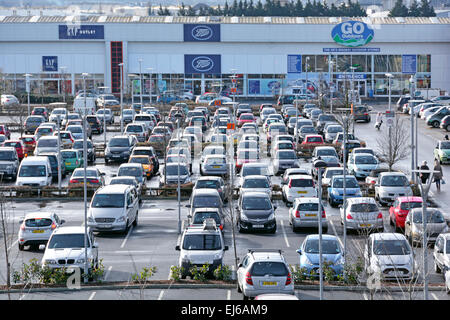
(104,19)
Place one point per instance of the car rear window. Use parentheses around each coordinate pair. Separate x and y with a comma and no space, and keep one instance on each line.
(199,217)
(38,222)
(208,184)
(276,269)
(202,242)
(410,205)
(302,183)
(364,207)
(308,207)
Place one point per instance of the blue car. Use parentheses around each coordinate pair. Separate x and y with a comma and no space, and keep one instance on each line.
(332,253)
(336,189)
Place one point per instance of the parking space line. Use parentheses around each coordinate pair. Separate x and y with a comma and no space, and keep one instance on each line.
(434,296)
(335,233)
(161,294)
(108,272)
(126,238)
(229,295)
(13,244)
(284,234)
(91,297)
(365,296)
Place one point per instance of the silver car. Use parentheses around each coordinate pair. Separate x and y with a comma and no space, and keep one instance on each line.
(362,213)
(214,165)
(303,214)
(264,271)
(257,183)
(436,225)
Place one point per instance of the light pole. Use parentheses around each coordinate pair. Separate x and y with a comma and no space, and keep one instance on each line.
(320,164)
(353,85)
(121,97)
(178,117)
(27,75)
(389,76)
(413,176)
(140,81)
(306,91)
(104,116)
(331,85)
(296,112)
(150,90)
(63,84)
(86,267)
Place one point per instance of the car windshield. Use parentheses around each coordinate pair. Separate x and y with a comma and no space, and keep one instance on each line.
(328,246)
(66,241)
(68,154)
(365,160)
(173,170)
(108,201)
(128,111)
(65,135)
(59,111)
(445,145)
(38,222)
(314,139)
(202,242)
(335,129)
(32,171)
(302,183)
(89,173)
(410,205)
(79,144)
(75,129)
(12,144)
(391,247)
(247,171)
(256,203)
(207,184)
(199,217)
(127,181)
(331,173)
(326,152)
(7,156)
(349,183)
(286,155)
(364,207)
(206,201)
(130,171)
(45,130)
(307,129)
(394,181)
(275,269)
(134,129)
(285,145)
(143,160)
(119,142)
(433,216)
(246,117)
(256,183)
(47,143)
(326,117)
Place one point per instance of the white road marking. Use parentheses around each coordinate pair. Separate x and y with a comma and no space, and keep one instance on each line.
(434,296)
(284,234)
(91,297)
(13,244)
(161,294)
(108,272)
(335,233)
(229,295)
(126,238)
(365,296)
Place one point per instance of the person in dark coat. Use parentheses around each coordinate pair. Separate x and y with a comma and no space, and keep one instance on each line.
(438,175)
(424,176)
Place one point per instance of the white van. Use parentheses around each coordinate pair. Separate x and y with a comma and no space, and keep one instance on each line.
(78,106)
(114,208)
(34,171)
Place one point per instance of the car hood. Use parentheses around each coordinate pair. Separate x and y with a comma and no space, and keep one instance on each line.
(314,258)
(432,227)
(106,212)
(257,214)
(118,149)
(396,189)
(67,253)
(385,260)
(445,151)
(44,150)
(366,166)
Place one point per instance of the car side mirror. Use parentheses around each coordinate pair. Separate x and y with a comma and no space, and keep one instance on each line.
(63,221)
(299,251)
(187,206)
(21,221)
(102,173)
(95,245)
(226,248)
(177,248)
(239,265)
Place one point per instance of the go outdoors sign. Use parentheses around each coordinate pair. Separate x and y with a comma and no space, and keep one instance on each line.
(352,34)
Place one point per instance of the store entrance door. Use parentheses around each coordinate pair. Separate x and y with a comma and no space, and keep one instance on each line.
(361,86)
(197,89)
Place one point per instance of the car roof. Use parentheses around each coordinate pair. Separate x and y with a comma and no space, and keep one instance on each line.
(410,199)
(255,194)
(205,191)
(307,200)
(388,236)
(267,256)
(255,177)
(392,173)
(38,214)
(206,210)
(254,164)
(113,188)
(324,237)
(130,165)
(69,230)
(209,178)
(300,176)
(8,149)
(361,200)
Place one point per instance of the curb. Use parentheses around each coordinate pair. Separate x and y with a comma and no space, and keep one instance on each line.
(213,286)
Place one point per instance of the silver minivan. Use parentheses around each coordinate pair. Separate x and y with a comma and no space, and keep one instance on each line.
(114,208)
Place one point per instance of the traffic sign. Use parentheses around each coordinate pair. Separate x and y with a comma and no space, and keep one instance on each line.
(390,118)
(217,102)
(233,90)
(230,126)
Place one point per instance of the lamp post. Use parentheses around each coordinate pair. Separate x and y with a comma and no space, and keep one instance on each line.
(140,81)
(104,116)
(121,97)
(296,112)
(63,84)
(306,91)
(150,89)
(27,75)
(320,164)
(86,267)
(178,117)
(331,63)
(389,76)
(413,176)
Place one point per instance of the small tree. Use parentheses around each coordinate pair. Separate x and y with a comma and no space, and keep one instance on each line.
(399,10)
(393,144)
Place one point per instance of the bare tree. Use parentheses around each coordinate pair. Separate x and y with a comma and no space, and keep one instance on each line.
(393,145)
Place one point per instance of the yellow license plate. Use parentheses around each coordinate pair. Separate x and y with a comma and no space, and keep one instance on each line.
(67,163)
(365,225)
(38,231)
(311,215)
(269,283)
(302,192)
(216,167)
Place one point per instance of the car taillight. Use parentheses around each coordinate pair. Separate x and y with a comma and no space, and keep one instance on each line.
(22,227)
(366,114)
(380,216)
(288,279)
(93,180)
(221,227)
(74,181)
(248,279)
(76,162)
(297,214)
(349,216)
(53,226)
(323,214)
(290,184)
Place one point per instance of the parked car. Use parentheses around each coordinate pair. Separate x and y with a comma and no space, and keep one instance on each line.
(205,198)
(128,180)
(390,256)
(361,164)
(105,114)
(9,163)
(71,159)
(32,123)
(212,182)
(146,162)
(18,145)
(298,186)
(362,214)
(331,132)
(67,139)
(434,120)
(256,212)
(119,148)
(34,171)
(445,123)
(132,169)
(441,255)
(77,132)
(9,100)
(214,165)
(291,172)
(138,130)
(201,214)
(400,210)
(303,214)
(148,151)
(94,178)
(414,228)
(336,189)
(78,145)
(361,113)
(53,157)
(170,173)
(253,168)
(264,271)
(62,112)
(94,124)
(372,178)
(257,183)
(390,186)
(284,159)
(5,131)
(442,151)
(106,100)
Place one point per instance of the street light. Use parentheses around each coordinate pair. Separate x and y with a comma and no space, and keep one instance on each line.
(353,84)
(140,80)
(306,91)
(178,116)
(296,112)
(104,116)
(320,164)
(86,267)
(150,90)
(331,63)
(121,97)
(389,76)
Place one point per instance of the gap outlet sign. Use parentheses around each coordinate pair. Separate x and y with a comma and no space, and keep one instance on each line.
(50,63)
(352,34)
(81,32)
(202,63)
(202,32)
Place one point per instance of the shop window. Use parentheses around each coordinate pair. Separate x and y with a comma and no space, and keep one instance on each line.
(343,63)
(423,63)
(311,63)
(360,62)
(395,63)
(381,63)
(253,76)
(322,63)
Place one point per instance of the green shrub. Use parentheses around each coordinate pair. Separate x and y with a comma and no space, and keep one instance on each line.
(144,275)
(200,274)
(176,273)
(223,272)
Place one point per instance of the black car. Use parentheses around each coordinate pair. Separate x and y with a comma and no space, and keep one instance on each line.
(78,145)
(119,148)
(361,113)
(53,158)
(445,123)
(95,123)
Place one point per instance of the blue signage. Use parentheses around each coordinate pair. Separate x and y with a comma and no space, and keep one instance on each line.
(49,63)
(294,63)
(81,32)
(206,63)
(352,33)
(351,49)
(349,76)
(409,63)
(202,32)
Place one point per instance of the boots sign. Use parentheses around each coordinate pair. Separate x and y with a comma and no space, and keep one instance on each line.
(352,34)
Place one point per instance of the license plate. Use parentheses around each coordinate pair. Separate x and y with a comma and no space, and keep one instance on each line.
(302,192)
(216,167)
(311,215)
(104,226)
(258,226)
(269,283)
(38,231)
(113,156)
(365,225)
(67,163)
(395,273)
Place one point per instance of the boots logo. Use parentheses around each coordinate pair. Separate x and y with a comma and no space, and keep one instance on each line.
(202,64)
(202,33)
(352,34)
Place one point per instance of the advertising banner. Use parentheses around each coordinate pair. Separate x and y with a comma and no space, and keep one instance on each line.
(202,32)
(49,63)
(352,33)
(254,87)
(270,87)
(77,32)
(194,63)
(294,63)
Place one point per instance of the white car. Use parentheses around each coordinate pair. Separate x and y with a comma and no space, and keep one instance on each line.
(65,248)
(8,100)
(212,150)
(304,214)
(389,256)
(138,130)
(441,255)
(253,168)
(36,228)
(62,112)
(428,112)
(257,183)
(362,213)
(298,186)
(34,171)
(390,186)
(329,173)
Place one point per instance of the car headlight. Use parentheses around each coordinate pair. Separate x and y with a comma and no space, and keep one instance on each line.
(335,192)
(308,262)
(243,217)
(80,260)
(417,230)
(126,152)
(272,216)
(90,219)
(121,219)
(9,167)
(188,179)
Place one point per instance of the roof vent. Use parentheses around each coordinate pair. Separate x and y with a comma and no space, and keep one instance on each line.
(168,19)
(300,20)
(234,19)
(267,19)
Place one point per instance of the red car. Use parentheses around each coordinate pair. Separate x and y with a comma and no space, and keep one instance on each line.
(246,118)
(29,142)
(18,144)
(313,139)
(400,209)
(4,130)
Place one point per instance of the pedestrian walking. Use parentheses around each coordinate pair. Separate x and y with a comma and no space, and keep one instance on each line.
(437,176)
(424,175)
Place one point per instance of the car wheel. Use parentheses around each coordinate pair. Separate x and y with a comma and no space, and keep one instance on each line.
(244,297)
(106,161)
(273,230)
(21,247)
(436,268)
(447,127)
(435,124)
(127,227)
